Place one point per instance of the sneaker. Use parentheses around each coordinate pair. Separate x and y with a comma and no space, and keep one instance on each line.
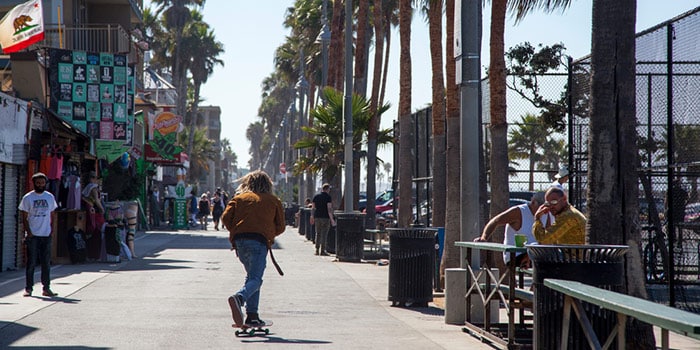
(48,293)
(255,323)
(324,253)
(27,293)
(236,304)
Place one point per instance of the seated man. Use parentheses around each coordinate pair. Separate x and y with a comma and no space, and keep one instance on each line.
(518,219)
(568,225)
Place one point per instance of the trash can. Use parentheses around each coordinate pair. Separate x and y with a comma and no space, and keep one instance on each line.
(302,221)
(349,238)
(309,229)
(601,266)
(411,266)
(330,240)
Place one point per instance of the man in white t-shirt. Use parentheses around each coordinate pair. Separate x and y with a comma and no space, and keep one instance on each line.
(561,178)
(38,211)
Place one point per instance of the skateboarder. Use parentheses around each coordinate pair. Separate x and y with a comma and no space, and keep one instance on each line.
(254,217)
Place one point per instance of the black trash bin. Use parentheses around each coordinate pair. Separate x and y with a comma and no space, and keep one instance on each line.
(330,240)
(411,265)
(349,237)
(309,229)
(601,266)
(302,221)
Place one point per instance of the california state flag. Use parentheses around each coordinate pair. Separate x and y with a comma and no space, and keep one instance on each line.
(22,26)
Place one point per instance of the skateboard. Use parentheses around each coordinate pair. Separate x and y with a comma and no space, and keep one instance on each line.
(251,330)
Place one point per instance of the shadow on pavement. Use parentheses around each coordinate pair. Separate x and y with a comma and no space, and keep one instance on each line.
(267,339)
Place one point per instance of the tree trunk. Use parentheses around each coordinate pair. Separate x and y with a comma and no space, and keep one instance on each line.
(374,121)
(336,48)
(405,157)
(438,87)
(451,254)
(498,169)
(387,32)
(612,150)
(361,49)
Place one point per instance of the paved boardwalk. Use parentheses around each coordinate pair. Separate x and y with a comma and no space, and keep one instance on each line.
(174,296)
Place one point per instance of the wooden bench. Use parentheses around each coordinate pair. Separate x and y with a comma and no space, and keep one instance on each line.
(665,317)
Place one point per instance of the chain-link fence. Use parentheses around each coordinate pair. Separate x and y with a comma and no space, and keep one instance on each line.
(668,127)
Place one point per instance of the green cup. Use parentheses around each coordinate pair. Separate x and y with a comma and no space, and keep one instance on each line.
(520,240)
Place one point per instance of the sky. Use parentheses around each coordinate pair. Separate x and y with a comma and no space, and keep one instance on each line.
(251,31)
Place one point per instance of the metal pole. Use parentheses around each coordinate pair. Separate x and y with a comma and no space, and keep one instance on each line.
(347,108)
(468,51)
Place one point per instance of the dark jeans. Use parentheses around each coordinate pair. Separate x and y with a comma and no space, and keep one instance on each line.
(39,250)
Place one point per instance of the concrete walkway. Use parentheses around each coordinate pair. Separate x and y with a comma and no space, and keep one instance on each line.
(175,296)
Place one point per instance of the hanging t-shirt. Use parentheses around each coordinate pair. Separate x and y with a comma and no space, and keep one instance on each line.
(39,207)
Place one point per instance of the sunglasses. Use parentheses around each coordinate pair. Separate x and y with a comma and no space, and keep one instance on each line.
(551,203)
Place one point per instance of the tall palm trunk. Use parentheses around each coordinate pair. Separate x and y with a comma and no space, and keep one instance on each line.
(451,254)
(360,83)
(387,46)
(336,48)
(438,86)
(612,158)
(374,122)
(405,157)
(499,126)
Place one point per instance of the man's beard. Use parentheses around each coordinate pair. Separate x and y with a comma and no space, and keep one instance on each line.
(39,189)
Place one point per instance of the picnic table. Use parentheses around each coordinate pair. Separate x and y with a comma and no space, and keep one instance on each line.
(492,288)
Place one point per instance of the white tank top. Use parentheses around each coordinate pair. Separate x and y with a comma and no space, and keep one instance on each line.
(528,219)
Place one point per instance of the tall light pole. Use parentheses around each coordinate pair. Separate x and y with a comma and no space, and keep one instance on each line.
(347,108)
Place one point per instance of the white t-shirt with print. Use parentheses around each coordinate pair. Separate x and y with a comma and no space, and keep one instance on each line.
(39,207)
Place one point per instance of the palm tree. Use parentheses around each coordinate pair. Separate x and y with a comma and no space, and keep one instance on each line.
(201,46)
(177,14)
(325,137)
(438,88)
(613,156)
(256,135)
(202,152)
(528,142)
(451,254)
(405,158)
(498,124)
(374,121)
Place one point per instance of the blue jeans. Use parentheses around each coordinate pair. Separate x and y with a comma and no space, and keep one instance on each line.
(253,256)
(38,250)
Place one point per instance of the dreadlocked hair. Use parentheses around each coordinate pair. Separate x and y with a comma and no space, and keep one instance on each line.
(256,181)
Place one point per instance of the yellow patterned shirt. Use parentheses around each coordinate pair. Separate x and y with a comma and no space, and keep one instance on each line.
(568,228)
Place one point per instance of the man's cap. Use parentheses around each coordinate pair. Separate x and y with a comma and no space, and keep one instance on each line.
(326,186)
(563,171)
(40,175)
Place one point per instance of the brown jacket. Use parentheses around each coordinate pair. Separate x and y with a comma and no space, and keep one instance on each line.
(254,213)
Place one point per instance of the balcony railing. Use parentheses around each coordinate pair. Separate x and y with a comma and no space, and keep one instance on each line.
(111,38)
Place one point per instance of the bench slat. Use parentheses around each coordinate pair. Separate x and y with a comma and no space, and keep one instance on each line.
(673,319)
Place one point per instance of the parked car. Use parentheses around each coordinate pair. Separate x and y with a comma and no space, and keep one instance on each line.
(381,198)
(692,212)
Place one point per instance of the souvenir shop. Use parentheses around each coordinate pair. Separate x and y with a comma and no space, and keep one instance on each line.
(62,152)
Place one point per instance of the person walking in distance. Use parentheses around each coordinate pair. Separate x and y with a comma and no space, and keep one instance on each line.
(322,217)
(38,211)
(254,217)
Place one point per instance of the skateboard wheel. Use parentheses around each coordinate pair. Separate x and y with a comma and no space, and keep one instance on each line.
(267,331)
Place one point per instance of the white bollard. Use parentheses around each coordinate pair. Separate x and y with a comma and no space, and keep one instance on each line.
(455,290)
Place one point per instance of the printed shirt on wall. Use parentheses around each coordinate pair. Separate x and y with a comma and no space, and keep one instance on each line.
(94,92)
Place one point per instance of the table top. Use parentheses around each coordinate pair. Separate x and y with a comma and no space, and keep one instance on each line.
(496,247)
